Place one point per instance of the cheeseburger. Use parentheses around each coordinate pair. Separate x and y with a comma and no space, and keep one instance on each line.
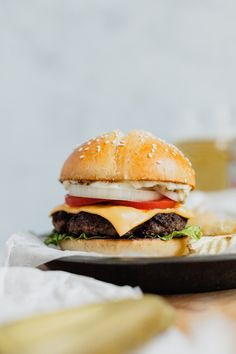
(125,195)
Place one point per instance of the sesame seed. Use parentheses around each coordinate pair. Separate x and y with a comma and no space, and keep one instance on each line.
(107,141)
(166,150)
(80,149)
(185,180)
(81,156)
(87,148)
(121,143)
(89,142)
(98,148)
(97,139)
(158,162)
(149,155)
(189,162)
(162,141)
(154,146)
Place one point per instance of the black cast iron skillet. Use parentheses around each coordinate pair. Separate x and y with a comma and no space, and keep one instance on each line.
(173,275)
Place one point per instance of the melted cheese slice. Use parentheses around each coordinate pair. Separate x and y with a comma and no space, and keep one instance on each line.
(123,218)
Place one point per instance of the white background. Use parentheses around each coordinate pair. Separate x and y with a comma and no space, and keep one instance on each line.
(71,69)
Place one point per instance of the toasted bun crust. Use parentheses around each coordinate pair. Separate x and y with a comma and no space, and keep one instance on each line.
(141,247)
(136,156)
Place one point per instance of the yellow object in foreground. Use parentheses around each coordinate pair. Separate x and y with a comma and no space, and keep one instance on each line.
(113,327)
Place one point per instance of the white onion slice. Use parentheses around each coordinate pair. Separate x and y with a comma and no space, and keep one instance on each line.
(178,196)
(171,195)
(133,195)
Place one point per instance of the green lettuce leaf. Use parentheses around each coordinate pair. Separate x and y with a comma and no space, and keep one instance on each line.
(191,231)
(54,238)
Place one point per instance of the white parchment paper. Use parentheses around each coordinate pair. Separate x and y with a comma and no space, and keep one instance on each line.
(28,250)
(26,291)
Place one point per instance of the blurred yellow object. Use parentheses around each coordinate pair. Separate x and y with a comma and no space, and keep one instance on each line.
(232,163)
(210,159)
(113,327)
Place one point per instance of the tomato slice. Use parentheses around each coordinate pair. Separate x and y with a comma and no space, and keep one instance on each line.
(80,201)
(163,203)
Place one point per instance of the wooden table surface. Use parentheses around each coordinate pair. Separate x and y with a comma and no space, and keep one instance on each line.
(191,307)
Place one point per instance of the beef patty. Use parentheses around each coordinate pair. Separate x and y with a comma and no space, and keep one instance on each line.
(95,225)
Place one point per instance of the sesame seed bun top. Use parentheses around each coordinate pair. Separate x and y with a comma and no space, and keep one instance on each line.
(137,156)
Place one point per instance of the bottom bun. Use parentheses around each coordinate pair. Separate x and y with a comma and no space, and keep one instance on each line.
(137,247)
